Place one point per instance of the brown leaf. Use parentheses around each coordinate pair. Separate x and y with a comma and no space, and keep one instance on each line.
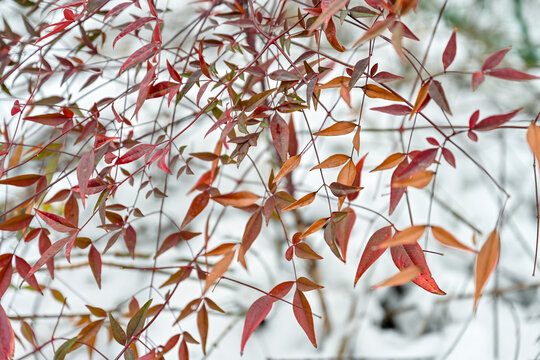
(486,261)
(339,128)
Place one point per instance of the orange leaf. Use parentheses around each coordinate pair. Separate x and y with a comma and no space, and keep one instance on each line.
(418,180)
(347,175)
(332,161)
(408,236)
(486,261)
(288,166)
(390,162)
(403,277)
(533,138)
(422,94)
(316,226)
(377,92)
(339,128)
(303,201)
(445,238)
(219,269)
(335,83)
(238,199)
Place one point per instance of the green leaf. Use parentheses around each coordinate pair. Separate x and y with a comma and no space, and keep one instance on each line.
(117,331)
(62,351)
(137,321)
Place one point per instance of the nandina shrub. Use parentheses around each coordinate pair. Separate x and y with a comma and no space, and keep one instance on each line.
(205,163)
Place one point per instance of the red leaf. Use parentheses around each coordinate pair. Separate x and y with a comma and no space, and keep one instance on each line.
(21,180)
(132,26)
(405,256)
(117,9)
(372,251)
(494,59)
(44,244)
(84,171)
(396,193)
(135,153)
(474,119)
(256,313)
(56,222)
(252,230)
(437,94)
(138,56)
(183,353)
(202,63)
(6,273)
(384,77)
(450,51)
(16,108)
(94,259)
(511,74)
(50,253)
(54,119)
(130,238)
(303,315)
(197,205)
(358,178)
(7,337)
(330,33)
(16,223)
(493,122)
(162,163)
(57,28)
(23,268)
(477,80)
(280,136)
(169,242)
(449,157)
(419,162)
(343,230)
